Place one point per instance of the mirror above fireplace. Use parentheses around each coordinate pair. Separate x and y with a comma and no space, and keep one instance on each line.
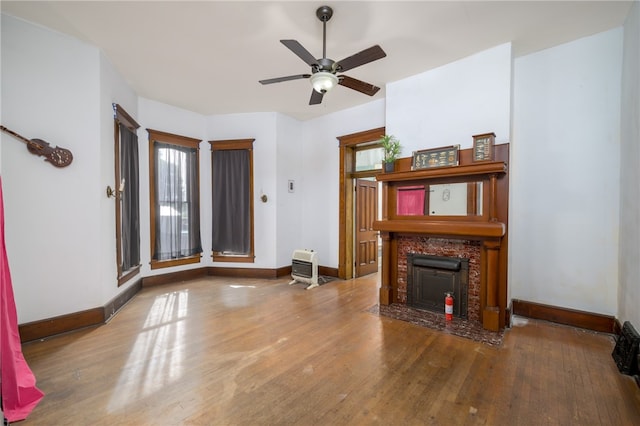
(446,199)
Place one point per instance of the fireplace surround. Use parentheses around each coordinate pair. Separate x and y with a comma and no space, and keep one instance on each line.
(481,237)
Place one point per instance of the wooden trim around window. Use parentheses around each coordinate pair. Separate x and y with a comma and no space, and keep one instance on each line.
(231,144)
(157,264)
(121,117)
(234,144)
(168,138)
(217,257)
(127,275)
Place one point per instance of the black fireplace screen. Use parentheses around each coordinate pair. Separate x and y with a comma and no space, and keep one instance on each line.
(430,278)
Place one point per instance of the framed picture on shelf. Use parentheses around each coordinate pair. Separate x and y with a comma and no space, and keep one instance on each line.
(484,147)
(437,157)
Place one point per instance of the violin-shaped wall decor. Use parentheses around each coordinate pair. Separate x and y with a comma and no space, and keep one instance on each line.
(59,157)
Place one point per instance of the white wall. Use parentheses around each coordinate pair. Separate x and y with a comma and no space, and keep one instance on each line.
(51,91)
(448,105)
(629,292)
(262,128)
(113,89)
(564,201)
(289,217)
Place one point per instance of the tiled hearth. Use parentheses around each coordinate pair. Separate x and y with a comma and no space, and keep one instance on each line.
(457,326)
(442,247)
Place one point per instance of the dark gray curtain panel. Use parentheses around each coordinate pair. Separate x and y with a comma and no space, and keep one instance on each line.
(231,203)
(177,202)
(130,198)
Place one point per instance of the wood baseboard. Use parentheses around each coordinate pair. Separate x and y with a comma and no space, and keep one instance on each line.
(115,304)
(173,277)
(325,270)
(243,272)
(77,320)
(96,316)
(57,325)
(572,317)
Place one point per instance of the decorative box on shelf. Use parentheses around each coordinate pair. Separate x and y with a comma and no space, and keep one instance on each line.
(484,147)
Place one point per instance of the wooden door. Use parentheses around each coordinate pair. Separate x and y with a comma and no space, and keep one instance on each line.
(366,240)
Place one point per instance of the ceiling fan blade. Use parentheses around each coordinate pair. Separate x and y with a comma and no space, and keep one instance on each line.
(287,78)
(316,98)
(299,50)
(358,85)
(368,55)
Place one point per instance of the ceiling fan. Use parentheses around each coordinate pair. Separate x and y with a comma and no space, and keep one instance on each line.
(324,70)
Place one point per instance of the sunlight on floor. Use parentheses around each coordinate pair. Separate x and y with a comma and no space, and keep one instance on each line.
(157,357)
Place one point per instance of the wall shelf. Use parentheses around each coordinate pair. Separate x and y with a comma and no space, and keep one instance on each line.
(494,167)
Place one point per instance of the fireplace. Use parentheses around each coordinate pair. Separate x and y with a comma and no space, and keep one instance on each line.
(479,236)
(430,278)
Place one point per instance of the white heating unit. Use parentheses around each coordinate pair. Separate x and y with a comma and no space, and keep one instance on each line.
(304,268)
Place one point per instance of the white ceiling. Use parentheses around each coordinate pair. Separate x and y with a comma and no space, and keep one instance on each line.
(207,56)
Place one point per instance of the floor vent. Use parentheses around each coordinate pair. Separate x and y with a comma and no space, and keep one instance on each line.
(625,353)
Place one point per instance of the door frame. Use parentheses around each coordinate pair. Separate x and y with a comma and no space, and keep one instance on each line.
(348,143)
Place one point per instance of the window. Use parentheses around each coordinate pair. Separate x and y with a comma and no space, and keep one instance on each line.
(175,202)
(232,195)
(368,157)
(127,198)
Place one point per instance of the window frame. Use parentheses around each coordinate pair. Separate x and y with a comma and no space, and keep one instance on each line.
(122,117)
(236,144)
(171,139)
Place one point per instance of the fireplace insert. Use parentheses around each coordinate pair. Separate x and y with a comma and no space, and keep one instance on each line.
(430,278)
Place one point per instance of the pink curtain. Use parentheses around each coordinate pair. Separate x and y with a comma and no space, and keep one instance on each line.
(19,392)
(410,201)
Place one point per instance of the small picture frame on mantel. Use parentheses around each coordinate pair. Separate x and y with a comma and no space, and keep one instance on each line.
(484,147)
(437,157)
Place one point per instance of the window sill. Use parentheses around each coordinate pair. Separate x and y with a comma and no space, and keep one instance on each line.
(233,258)
(157,264)
(127,275)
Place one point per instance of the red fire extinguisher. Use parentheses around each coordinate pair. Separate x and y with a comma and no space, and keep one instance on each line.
(448,307)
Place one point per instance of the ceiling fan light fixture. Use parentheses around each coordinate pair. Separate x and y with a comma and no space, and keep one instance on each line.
(323,81)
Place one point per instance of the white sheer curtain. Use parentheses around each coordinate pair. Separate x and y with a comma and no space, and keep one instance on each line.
(177,207)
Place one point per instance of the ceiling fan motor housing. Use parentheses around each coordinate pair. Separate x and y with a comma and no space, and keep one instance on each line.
(324,13)
(326,64)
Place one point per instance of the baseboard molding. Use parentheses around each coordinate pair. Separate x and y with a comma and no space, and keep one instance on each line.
(572,317)
(115,304)
(244,272)
(78,320)
(97,316)
(61,324)
(173,277)
(325,270)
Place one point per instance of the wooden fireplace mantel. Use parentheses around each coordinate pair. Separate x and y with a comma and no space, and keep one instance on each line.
(490,227)
(457,229)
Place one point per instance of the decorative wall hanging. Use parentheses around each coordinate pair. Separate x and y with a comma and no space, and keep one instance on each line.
(438,157)
(59,157)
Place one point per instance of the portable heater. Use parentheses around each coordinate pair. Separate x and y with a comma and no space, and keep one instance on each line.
(304,268)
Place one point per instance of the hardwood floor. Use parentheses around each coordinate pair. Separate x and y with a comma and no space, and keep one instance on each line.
(220,351)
